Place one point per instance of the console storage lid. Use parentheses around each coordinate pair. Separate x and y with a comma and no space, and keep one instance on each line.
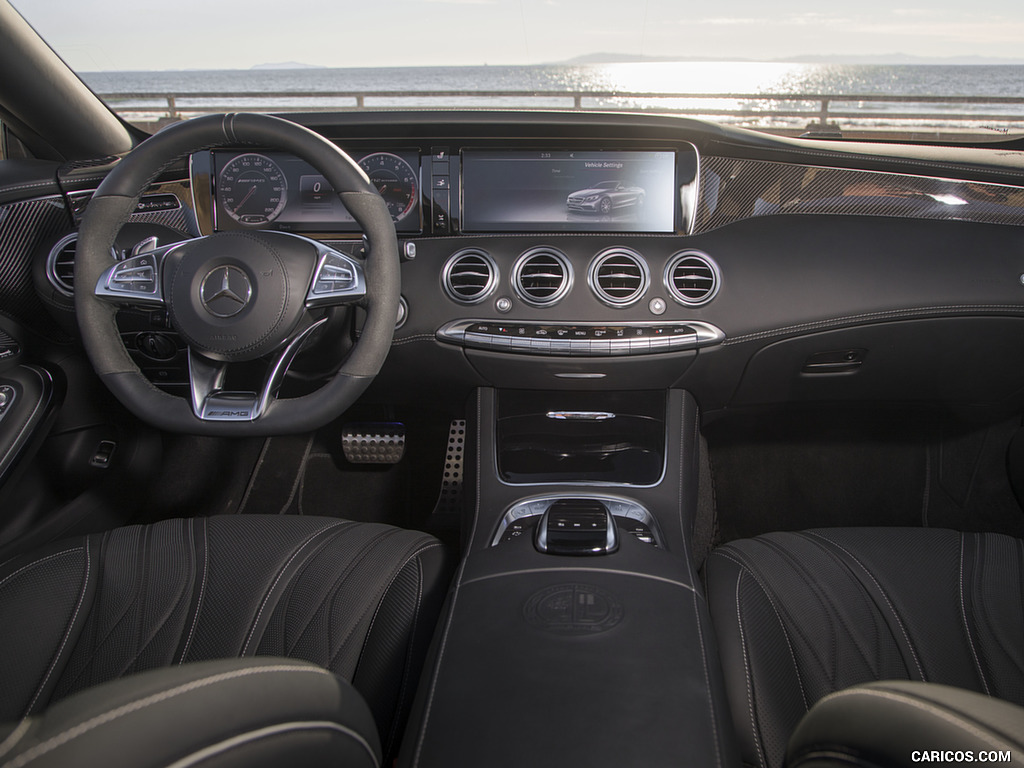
(572,661)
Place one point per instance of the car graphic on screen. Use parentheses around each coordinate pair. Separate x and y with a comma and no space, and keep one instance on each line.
(605,196)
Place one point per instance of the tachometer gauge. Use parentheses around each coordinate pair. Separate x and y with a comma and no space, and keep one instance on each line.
(253,190)
(396,181)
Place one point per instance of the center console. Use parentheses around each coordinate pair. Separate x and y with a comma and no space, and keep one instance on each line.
(576,632)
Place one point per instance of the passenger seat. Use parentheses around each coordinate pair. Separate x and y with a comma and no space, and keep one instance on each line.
(801,615)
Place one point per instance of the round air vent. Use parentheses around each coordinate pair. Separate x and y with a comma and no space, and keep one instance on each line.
(542,276)
(60,264)
(692,278)
(618,276)
(469,276)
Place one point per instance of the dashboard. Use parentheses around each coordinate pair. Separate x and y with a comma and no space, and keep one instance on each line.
(620,252)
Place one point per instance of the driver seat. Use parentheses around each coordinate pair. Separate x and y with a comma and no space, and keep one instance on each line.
(79,619)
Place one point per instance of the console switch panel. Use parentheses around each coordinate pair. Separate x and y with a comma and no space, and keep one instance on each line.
(577,527)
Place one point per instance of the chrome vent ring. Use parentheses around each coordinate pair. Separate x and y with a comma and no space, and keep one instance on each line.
(618,276)
(692,278)
(542,276)
(60,265)
(469,276)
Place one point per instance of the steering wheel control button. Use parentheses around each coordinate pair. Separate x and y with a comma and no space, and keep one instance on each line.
(581,339)
(135,280)
(338,279)
(225,291)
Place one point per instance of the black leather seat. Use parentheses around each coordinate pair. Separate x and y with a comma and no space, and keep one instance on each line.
(801,615)
(356,599)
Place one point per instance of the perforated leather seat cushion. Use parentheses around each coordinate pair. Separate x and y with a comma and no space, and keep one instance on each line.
(799,615)
(358,599)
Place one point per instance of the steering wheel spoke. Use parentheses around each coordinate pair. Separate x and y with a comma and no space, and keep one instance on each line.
(211,402)
(339,279)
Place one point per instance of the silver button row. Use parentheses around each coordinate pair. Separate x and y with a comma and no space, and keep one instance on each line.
(581,347)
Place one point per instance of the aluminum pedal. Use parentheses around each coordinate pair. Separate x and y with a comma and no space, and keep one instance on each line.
(449,501)
(373,443)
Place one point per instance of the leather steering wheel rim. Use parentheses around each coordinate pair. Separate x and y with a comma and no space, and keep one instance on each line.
(115,200)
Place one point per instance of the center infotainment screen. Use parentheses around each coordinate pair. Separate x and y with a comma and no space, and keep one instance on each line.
(526,191)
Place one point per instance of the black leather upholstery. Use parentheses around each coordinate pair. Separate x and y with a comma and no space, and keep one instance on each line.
(357,599)
(256,713)
(800,615)
(899,723)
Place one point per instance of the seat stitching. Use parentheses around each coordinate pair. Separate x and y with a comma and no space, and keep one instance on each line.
(328,602)
(111,715)
(748,675)
(34,563)
(96,644)
(782,626)
(827,670)
(280,575)
(67,632)
(927,706)
(885,596)
(983,615)
(202,592)
(394,576)
(963,615)
(392,732)
(707,682)
(835,622)
(15,736)
(183,594)
(355,624)
(242,739)
(350,566)
(455,598)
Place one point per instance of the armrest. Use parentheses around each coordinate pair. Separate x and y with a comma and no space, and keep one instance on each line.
(902,723)
(236,712)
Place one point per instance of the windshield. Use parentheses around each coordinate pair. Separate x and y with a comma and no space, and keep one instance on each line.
(923,71)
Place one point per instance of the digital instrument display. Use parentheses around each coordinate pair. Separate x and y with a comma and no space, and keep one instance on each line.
(275,190)
(592,191)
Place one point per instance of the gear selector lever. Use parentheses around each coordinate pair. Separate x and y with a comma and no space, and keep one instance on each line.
(577,527)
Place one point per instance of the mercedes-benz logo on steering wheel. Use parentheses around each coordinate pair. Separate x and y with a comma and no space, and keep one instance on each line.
(225,291)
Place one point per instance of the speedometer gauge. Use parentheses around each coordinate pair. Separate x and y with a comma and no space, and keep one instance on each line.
(252,189)
(396,181)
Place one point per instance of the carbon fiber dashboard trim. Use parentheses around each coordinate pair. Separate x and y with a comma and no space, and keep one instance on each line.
(23,226)
(26,224)
(732,190)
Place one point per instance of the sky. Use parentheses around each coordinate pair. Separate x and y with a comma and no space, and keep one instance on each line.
(107,35)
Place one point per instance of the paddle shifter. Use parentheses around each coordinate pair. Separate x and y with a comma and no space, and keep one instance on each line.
(577,527)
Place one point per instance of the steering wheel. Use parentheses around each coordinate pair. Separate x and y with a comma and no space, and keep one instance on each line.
(236,296)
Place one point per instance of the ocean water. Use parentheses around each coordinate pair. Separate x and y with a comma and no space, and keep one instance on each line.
(774,84)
